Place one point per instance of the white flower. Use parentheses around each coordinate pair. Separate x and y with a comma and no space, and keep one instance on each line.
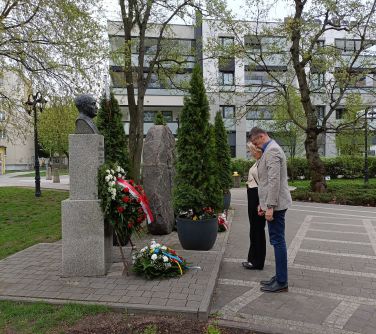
(165,259)
(167,264)
(112,171)
(157,245)
(118,169)
(113,197)
(107,171)
(111,183)
(107,178)
(143,249)
(154,257)
(122,170)
(164,248)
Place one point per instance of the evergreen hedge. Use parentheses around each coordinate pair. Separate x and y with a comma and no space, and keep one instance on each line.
(348,167)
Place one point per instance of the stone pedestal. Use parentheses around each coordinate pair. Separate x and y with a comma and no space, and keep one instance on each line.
(49,173)
(56,176)
(87,241)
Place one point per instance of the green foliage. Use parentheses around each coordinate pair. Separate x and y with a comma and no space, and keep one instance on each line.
(55,124)
(159,119)
(32,318)
(349,167)
(196,180)
(151,329)
(223,156)
(346,192)
(111,127)
(241,166)
(213,329)
(27,220)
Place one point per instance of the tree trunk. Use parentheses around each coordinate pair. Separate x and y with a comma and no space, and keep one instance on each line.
(136,139)
(316,166)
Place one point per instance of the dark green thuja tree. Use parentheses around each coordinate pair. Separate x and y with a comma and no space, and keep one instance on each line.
(223,154)
(111,127)
(159,119)
(196,179)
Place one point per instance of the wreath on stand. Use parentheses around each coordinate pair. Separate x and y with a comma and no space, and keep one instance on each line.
(124,204)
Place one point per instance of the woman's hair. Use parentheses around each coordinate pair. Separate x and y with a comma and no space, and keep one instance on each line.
(254,148)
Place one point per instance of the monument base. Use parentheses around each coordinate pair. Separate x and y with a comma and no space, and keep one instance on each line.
(87,240)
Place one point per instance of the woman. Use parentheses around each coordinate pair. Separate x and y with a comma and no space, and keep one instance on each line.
(257,249)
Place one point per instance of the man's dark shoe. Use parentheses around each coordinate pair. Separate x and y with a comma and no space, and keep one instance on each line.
(250,266)
(269,281)
(275,287)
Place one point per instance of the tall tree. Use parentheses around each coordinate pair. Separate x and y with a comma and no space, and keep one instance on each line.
(110,125)
(223,154)
(55,124)
(300,52)
(50,45)
(196,179)
(163,58)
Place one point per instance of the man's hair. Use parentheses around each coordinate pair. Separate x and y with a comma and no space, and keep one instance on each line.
(255,131)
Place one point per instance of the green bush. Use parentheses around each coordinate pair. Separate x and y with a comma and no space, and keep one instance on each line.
(348,166)
(241,166)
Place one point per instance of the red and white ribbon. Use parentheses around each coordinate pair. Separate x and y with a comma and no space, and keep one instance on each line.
(143,200)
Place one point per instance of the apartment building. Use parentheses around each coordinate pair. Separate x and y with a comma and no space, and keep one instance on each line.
(241,90)
(16,150)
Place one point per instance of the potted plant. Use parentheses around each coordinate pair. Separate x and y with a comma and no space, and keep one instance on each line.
(223,160)
(197,194)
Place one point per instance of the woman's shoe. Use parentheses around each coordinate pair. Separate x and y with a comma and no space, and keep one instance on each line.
(250,266)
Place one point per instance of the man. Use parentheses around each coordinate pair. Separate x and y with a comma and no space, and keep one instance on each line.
(275,199)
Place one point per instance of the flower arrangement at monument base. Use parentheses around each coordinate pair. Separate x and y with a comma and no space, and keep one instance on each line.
(124,203)
(158,261)
(222,223)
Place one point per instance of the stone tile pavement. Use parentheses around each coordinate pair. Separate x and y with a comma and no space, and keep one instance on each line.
(332,273)
(10,180)
(34,275)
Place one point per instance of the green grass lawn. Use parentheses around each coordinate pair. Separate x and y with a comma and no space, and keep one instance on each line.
(26,220)
(38,318)
(353,183)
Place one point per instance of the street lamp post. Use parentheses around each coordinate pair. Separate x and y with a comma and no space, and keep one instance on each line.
(33,103)
(366,118)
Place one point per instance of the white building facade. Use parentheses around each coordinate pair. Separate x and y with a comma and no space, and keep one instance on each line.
(233,84)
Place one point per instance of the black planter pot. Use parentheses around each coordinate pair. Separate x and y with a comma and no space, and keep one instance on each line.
(197,234)
(226,200)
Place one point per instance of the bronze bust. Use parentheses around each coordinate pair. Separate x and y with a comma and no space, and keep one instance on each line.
(87,107)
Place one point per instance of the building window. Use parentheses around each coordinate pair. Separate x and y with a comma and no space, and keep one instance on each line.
(320,44)
(320,110)
(228,112)
(226,78)
(3,134)
(149,116)
(340,112)
(2,116)
(318,79)
(351,45)
(259,113)
(226,41)
(231,140)
(252,43)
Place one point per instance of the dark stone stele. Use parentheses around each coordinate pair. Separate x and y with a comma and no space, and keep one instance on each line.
(157,174)
(87,107)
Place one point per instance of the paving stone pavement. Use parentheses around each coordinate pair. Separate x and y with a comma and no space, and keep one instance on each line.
(332,273)
(34,274)
(17,180)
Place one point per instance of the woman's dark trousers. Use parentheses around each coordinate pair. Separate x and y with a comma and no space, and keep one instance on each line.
(257,249)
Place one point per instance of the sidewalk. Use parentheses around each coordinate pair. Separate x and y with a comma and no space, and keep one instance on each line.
(332,273)
(34,275)
(16,180)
